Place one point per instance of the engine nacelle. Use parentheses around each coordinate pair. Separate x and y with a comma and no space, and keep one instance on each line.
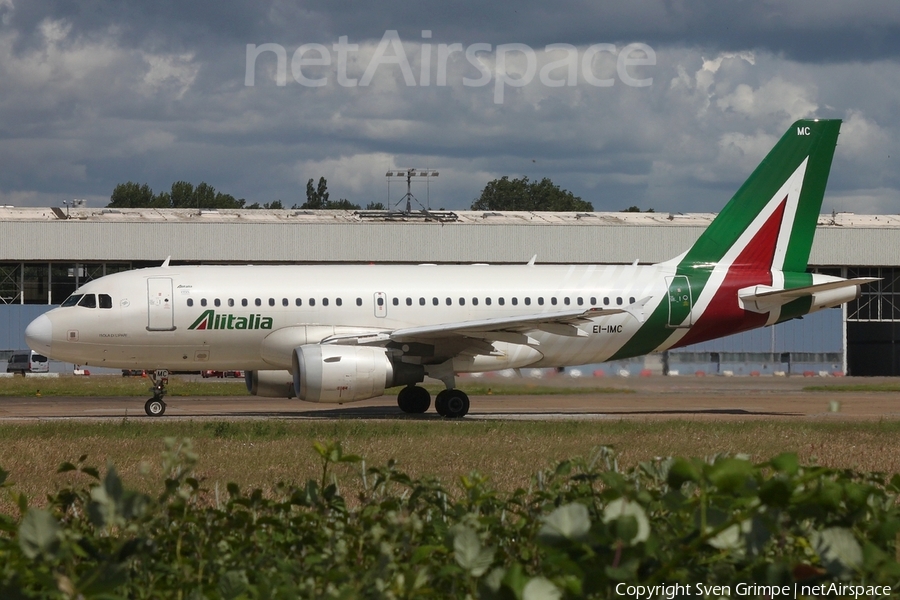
(326,373)
(270,384)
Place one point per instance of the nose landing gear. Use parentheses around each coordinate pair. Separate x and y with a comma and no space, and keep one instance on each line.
(155,407)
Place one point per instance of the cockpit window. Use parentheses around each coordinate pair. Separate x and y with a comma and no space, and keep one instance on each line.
(88,301)
(72,300)
(105,300)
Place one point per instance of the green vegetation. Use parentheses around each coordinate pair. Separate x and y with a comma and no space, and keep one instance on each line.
(854,387)
(522,194)
(104,385)
(576,531)
(12,387)
(258,453)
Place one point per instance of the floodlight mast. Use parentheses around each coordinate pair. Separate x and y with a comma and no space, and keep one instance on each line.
(408,174)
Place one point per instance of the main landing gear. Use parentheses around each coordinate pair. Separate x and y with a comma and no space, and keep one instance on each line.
(155,407)
(450,403)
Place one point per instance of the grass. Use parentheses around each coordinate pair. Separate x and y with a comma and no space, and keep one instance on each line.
(854,387)
(262,453)
(110,385)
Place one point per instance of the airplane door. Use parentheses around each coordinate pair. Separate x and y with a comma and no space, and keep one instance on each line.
(160,315)
(680,301)
(380,304)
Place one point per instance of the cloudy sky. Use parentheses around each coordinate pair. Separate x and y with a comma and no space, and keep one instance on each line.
(666,104)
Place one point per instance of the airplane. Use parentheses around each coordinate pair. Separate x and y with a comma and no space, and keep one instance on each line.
(336,334)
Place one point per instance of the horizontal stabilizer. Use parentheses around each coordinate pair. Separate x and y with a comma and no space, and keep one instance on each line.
(763,298)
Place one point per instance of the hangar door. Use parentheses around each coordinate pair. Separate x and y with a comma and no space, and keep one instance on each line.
(873,324)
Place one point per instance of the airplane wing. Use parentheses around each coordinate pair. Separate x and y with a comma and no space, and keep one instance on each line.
(447,339)
(761,298)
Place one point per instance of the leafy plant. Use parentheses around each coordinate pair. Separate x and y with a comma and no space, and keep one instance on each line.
(580,529)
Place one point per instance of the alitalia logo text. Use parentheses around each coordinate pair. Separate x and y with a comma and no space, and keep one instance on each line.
(212,320)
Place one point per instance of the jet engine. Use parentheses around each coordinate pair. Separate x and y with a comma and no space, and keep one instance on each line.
(270,384)
(337,374)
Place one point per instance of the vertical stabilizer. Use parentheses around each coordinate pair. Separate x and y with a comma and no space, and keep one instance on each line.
(772,218)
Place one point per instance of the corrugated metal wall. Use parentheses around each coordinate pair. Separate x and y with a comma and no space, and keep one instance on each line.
(397,242)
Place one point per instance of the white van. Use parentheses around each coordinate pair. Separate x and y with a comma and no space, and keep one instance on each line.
(28,361)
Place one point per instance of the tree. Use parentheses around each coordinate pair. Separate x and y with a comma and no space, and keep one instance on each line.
(636,209)
(522,194)
(375,206)
(183,194)
(317,198)
(132,195)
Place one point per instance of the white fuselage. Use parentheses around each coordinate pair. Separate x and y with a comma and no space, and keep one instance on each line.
(152,321)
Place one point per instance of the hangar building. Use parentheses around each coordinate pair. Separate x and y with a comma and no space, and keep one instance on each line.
(45,253)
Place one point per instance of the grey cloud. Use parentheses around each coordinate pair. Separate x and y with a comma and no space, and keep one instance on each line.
(154,92)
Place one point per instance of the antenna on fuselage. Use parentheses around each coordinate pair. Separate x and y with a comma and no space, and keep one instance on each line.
(166,262)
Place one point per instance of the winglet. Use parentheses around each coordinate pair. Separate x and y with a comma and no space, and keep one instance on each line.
(531,262)
(165,264)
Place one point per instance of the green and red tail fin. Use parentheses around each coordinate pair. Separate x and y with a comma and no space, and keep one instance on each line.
(762,237)
(772,218)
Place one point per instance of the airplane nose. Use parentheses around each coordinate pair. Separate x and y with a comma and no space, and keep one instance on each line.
(39,334)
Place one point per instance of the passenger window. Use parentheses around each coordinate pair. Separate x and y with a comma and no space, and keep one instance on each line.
(527,301)
(338,301)
(541,300)
(567,300)
(580,301)
(72,300)
(88,301)
(434,301)
(474,301)
(409,301)
(501,301)
(421,301)
(462,301)
(231,302)
(258,302)
(619,301)
(487,300)
(284,302)
(243,302)
(605,301)
(515,301)
(449,301)
(202,301)
(312,301)
(190,301)
(271,301)
(380,301)
(631,300)
(298,302)
(359,302)
(324,301)
(553,301)
(396,301)
(105,301)
(593,301)
(217,302)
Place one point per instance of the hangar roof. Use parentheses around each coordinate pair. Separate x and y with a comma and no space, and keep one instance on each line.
(88,234)
(177,215)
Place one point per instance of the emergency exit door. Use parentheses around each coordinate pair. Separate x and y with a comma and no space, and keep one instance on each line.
(681,302)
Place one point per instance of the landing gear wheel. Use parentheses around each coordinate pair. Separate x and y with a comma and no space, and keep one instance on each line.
(452,404)
(155,407)
(413,399)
